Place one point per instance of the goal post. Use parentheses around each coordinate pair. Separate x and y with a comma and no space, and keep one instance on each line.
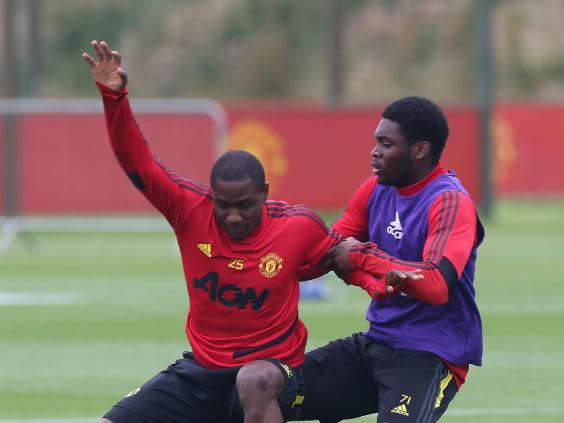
(31,128)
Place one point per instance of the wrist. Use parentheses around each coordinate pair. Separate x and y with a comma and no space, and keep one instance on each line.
(109,92)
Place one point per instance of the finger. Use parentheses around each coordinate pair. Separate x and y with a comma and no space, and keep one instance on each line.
(116,57)
(106,51)
(97,50)
(123,75)
(89,59)
(396,274)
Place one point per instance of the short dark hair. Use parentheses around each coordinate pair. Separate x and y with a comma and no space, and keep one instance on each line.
(237,165)
(420,119)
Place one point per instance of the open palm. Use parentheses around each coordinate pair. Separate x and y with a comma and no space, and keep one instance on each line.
(106,69)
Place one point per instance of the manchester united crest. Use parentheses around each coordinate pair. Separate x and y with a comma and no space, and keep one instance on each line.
(270,265)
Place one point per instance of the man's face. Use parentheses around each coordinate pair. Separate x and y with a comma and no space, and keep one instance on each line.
(238,206)
(392,159)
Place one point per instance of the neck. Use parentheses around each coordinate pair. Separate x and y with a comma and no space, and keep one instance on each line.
(421,173)
(422,181)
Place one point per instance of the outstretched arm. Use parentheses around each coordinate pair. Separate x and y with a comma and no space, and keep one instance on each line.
(163,188)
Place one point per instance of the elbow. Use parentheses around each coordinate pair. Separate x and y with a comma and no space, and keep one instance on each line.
(449,276)
(136,180)
(442,286)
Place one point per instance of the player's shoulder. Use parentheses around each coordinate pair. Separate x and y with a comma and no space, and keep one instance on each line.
(369,184)
(365,190)
(454,202)
(190,185)
(454,194)
(294,213)
(283,209)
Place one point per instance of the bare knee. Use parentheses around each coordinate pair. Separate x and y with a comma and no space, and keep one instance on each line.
(259,381)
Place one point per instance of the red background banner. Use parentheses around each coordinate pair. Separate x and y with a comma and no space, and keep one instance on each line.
(328,152)
(528,150)
(312,155)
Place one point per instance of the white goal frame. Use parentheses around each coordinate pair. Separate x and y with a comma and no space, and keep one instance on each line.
(12,109)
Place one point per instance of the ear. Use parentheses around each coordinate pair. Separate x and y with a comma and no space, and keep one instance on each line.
(266,186)
(421,149)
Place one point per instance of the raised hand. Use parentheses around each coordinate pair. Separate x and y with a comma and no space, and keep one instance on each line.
(106,69)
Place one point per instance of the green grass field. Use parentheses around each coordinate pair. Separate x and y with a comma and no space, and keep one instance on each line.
(114,307)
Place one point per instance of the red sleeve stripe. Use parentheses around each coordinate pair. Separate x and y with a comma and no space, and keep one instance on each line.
(376,252)
(333,234)
(450,201)
(294,211)
(286,208)
(184,182)
(191,188)
(450,225)
(329,231)
(179,179)
(282,206)
(443,212)
(277,203)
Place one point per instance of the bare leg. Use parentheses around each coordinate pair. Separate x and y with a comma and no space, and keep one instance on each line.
(259,385)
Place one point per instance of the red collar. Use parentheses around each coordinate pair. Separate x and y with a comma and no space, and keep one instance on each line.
(422,183)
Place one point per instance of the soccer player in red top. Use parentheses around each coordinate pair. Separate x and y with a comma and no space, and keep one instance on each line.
(240,254)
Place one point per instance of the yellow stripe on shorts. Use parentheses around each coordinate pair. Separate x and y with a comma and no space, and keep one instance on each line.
(299,399)
(444,384)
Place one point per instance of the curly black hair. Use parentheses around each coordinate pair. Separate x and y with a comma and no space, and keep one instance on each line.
(420,119)
(237,165)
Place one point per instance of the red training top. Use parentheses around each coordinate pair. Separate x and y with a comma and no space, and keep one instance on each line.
(243,294)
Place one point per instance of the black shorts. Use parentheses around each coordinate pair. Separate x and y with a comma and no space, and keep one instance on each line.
(355,376)
(186,392)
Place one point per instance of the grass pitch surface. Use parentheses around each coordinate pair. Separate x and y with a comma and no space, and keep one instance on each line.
(86,318)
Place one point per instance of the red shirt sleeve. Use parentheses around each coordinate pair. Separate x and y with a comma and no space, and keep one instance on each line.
(173,196)
(452,229)
(319,239)
(452,234)
(354,221)
(374,287)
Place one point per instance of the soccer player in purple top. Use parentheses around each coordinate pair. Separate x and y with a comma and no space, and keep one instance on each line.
(423,332)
